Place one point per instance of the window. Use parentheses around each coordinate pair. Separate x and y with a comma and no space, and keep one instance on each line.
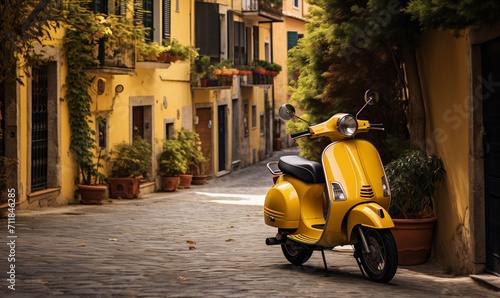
(254,116)
(267,51)
(100,6)
(245,118)
(102,132)
(296,4)
(169,131)
(262,123)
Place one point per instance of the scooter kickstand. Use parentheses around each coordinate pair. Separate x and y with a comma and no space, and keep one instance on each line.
(324,261)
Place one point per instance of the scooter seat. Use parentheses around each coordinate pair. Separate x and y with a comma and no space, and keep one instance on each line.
(301,168)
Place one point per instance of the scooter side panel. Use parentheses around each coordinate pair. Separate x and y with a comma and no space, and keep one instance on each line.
(282,207)
(369,215)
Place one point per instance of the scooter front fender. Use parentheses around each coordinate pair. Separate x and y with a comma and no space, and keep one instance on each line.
(369,215)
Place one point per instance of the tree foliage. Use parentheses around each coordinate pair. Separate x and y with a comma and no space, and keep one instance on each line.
(453,15)
(331,81)
(22,23)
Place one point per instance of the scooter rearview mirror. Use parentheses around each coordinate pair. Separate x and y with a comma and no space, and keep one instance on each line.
(371,97)
(287,111)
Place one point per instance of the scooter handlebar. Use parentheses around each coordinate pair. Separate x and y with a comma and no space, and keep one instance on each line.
(301,134)
(377,126)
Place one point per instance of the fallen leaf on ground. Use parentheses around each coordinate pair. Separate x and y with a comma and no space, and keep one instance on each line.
(44,282)
(80,245)
(113,239)
(190,242)
(192,247)
(227,240)
(182,278)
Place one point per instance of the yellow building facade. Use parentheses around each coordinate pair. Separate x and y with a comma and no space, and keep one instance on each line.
(460,86)
(152,100)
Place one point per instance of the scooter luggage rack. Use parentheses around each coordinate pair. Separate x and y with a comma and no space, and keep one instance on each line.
(274,172)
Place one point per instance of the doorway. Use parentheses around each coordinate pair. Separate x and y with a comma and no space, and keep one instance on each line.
(490,71)
(204,129)
(222,129)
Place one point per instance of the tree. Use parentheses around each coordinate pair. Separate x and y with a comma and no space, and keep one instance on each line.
(453,15)
(23,22)
(331,81)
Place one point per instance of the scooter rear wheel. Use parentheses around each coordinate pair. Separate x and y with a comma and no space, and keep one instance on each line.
(295,253)
(381,263)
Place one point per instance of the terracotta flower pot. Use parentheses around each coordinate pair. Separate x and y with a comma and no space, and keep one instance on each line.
(92,194)
(199,180)
(169,183)
(125,188)
(414,239)
(185,181)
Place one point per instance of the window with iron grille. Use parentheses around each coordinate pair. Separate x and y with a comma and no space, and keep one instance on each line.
(39,127)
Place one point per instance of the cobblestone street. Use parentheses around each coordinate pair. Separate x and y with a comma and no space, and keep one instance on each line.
(205,241)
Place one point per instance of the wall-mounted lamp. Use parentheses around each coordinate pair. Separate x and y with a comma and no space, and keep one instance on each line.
(119,89)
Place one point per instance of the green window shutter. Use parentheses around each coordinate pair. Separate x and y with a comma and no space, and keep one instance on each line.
(292,39)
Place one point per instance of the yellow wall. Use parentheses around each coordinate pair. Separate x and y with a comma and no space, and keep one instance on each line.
(443,71)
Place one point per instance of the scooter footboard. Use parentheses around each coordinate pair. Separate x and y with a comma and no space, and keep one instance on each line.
(369,215)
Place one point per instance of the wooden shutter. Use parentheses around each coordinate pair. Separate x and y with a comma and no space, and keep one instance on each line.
(256,43)
(230,35)
(148,18)
(207,29)
(239,43)
(166,19)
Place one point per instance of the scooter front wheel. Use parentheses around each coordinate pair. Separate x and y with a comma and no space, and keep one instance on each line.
(295,253)
(381,262)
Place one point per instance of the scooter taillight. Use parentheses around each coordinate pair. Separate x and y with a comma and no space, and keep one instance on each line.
(275,178)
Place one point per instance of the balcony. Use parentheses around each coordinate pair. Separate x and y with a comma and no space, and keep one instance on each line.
(263,10)
(117,60)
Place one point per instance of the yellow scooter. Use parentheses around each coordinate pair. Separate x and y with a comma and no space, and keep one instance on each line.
(342,200)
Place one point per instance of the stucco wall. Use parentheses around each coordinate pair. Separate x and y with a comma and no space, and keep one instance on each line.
(443,71)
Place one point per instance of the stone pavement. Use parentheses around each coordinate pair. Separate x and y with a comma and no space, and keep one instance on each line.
(205,241)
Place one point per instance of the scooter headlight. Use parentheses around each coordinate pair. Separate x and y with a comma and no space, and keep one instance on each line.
(348,126)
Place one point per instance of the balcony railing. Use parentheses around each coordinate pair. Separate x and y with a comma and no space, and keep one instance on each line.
(263,10)
(119,60)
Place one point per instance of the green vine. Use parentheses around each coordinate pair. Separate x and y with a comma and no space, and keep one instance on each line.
(84,30)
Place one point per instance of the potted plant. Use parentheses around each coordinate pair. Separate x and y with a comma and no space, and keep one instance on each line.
(206,70)
(7,168)
(92,187)
(199,168)
(171,163)
(189,140)
(412,178)
(129,162)
(174,50)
